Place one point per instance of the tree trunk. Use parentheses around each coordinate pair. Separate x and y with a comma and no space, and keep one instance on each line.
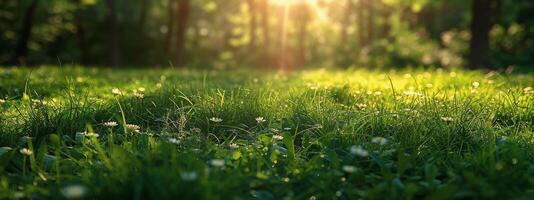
(480,27)
(361,24)
(252,23)
(264,12)
(183,16)
(346,23)
(171,14)
(80,32)
(302,33)
(370,21)
(21,51)
(143,9)
(114,44)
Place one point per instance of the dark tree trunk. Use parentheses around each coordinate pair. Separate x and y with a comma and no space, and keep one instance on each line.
(266,47)
(370,21)
(480,27)
(265,24)
(80,32)
(143,9)
(114,44)
(362,36)
(253,26)
(346,23)
(21,51)
(171,15)
(183,16)
(302,33)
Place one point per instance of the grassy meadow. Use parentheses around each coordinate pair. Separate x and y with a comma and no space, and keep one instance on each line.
(98,133)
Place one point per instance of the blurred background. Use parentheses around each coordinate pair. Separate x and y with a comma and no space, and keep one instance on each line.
(285,34)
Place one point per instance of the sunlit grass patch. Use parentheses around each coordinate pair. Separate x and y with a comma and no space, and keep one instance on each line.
(214,134)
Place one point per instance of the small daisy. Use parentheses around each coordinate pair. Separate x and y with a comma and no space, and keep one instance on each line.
(260,120)
(217,162)
(133,127)
(379,140)
(110,124)
(26,151)
(278,137)
(349,168)
(188,176)
(216,119)
(116,91)
(447,119)
(173,141)
(359,151)
(74,191)
(95,135)
(2,101)
(233,146)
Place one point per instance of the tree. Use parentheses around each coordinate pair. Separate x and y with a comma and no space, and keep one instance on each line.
(21,51)
(346,23)
(183,16)
(80,32)
(362,35)
(171,14)
(265,32)
(303,18)
(480,27)
(114,44)
(143,9)
(252,24)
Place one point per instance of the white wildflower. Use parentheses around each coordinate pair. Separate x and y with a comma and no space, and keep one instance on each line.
(188,176)
(359,151)
(116,91)
(379,140)
(278,137)
(216,119)
(260,120)
(217,162)
(74,191)
(133,127)
(110,124)
(233,146)
(447,119)
(26,151)
(91,134)
(173,141)
(349,168)
(361,105)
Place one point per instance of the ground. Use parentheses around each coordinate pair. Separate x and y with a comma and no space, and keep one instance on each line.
(96,133)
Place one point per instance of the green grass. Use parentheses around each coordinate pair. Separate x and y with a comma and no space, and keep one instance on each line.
(325,134)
